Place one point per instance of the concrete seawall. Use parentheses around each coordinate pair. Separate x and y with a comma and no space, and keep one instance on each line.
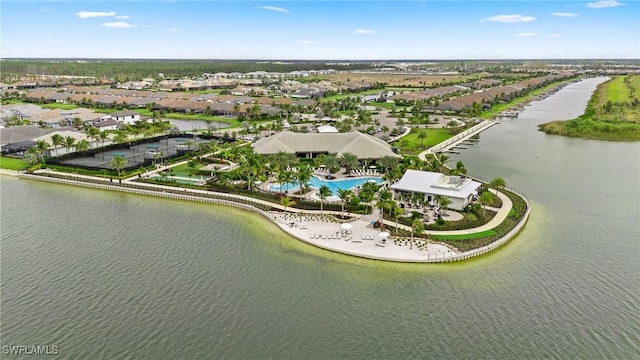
(234,202)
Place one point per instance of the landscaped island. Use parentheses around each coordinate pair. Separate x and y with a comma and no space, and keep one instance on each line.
(613,113)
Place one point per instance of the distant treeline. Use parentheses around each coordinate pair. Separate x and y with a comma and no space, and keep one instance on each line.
(124,70)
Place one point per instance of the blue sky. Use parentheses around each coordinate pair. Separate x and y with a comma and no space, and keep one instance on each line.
(471,29)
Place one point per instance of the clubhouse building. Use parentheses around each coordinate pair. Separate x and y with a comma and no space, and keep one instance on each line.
(309,145)
(460,190)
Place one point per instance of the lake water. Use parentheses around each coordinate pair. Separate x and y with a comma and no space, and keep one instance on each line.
(188,125)
(105,275)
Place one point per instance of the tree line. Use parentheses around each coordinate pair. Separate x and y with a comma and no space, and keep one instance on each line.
(129,70)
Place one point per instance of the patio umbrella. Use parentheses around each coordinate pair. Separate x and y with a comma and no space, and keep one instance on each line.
(346,226)
(383,235)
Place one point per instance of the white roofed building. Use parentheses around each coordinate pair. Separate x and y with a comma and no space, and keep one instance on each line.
(459,189)
(327,129)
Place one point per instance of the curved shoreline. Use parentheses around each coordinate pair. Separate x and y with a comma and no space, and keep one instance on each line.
(369,249)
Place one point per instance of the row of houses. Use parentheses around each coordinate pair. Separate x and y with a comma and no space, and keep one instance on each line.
(59,118)
(497,94)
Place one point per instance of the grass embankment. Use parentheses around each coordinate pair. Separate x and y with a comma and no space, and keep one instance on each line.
(468,242)
(613,113)
(411,144)
(478,235)
(13,164)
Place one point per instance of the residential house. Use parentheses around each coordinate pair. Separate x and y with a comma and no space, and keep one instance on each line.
(126,116)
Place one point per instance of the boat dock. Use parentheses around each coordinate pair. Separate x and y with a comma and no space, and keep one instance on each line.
(456,141)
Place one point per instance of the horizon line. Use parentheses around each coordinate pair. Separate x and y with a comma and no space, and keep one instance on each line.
(319,59)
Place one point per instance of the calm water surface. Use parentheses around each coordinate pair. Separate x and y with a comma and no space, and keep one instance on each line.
(114,276)
(187,125)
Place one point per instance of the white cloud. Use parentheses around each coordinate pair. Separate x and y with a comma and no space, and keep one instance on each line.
(554,35)
(273,8)
(564,14)
(122,17)
(306,42)
(92,14)
(118,25)
(604,4)
(527,34)
(173,29)
(364,31)
(47,10)
(510,19)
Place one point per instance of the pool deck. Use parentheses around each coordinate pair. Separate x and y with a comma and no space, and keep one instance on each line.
(313,193)
(363,239)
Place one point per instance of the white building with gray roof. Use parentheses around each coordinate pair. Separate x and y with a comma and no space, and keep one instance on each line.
(459,189)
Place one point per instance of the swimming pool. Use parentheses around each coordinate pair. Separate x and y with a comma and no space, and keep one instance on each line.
(334,185)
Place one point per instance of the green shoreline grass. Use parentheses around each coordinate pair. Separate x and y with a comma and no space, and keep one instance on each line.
(477,235)
(13,164)
(612,114)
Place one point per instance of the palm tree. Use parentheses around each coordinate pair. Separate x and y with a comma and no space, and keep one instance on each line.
(422,134)
(82,146)
(118,163)
(57,140)
(417,227)
(497,183)
(103,136)
(485,198)
(42,146)
(120,137)
(331,162)
(324,192)
(396,211)
(92,132)
(349,161)
(286,201)
(69,142)
(344,195)
(304,175)
(444,201)
(285,177)
(460,169)
(388,162)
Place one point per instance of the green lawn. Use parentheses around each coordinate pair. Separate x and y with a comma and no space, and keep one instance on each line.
(60,106)
(385,105)
(182,170)
(13,164)
(410,144)
(11,101)
(635,83)
(348,95)
(210,91)
(617,91)
(482,234)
